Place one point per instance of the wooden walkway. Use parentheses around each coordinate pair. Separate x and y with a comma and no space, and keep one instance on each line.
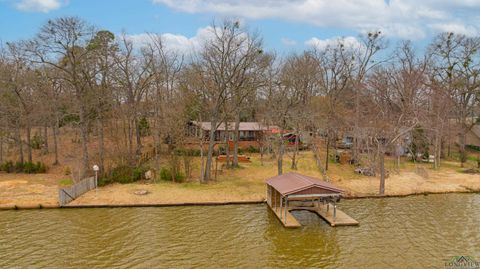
(341,218)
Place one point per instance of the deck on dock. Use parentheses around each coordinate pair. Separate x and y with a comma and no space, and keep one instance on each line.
(341,219)
(292,222)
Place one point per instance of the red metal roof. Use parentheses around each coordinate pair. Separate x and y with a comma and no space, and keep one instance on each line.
(244,126)
(290,183)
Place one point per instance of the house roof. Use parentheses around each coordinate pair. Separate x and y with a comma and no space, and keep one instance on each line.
(290,183)
(244,126)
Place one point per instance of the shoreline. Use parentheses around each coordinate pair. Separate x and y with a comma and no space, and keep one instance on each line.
(223,203)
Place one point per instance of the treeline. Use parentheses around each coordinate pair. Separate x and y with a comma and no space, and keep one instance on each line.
(72,74)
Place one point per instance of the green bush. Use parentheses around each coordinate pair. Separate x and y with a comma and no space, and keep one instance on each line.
(25,167)
(473,147)
(166,174)
(7,167)
(29,168)
(252,149)
(37,142)
(103,181)
(123,174)
(19,167)
(41,168)
(144,127)
(187,152)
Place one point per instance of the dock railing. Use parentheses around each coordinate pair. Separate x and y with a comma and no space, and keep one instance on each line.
(68,194)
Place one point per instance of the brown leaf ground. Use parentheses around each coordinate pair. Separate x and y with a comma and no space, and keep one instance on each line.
(244,184)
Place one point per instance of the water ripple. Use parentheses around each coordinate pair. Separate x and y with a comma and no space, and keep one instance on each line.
(412,232)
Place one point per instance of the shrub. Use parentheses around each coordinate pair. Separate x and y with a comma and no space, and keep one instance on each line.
(166,174)
(37,142)
(29,168)
(7,167)
(123,174)
(41,168)
(25,167)
(19,167)
(144,127)
(473,147)
(187,152)
(252,149)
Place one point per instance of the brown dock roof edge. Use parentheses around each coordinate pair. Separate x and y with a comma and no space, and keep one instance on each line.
(290,183)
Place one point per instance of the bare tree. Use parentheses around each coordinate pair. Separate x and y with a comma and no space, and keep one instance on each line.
(133,78)
(62,44)
(456,65)
(224,64)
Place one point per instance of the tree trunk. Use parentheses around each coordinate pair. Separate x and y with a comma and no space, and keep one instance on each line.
(295,152)
(138,150)
(281,148)
(19,143)
(202,160)
(84,139)
(356,130)
(236,138)
(1,149)
(211,144)
(29,143)
(381,153)
(436,151)
(462,136)
(227,140)
(328,151)
(55,140)
(45,135)
(101,145)
(261,153)
(130,140)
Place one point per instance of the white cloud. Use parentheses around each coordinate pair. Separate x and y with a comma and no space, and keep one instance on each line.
(412,19)
(349,42)
(458,28)
(44,6)
(176,42)
(288,42)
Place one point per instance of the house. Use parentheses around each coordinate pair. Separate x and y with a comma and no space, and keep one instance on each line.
(248,131)
(473,136)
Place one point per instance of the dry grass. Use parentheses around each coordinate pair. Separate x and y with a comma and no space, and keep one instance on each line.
(243,184)
(247,183)
(22,189)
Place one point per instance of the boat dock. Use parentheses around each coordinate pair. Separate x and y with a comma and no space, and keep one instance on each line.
(292,191)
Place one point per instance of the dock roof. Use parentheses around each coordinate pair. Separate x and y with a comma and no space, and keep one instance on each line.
(290,183)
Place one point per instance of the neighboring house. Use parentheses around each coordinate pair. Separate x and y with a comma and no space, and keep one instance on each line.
(248,131)
(473,136)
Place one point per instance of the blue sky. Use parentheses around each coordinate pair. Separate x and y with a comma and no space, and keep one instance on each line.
(286,25)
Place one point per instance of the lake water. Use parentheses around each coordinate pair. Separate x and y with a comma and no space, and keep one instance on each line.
(410,232)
